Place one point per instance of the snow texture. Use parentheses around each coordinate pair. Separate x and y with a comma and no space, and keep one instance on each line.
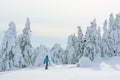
(67,72)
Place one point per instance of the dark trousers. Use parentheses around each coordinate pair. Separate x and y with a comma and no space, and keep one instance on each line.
(46,66)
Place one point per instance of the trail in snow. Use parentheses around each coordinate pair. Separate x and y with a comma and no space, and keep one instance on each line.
(61,72)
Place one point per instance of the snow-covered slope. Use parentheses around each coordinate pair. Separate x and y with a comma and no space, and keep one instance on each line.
(69,72)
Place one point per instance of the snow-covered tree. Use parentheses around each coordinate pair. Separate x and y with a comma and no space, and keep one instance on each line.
(110,39)
(71,49)
(78,46)
(105,44)
(117,41)
(91,48)
(111,22)
(112,36)
(25,44)
(98,43)
(57,54)
(8,44)
(40,54)
(18,57)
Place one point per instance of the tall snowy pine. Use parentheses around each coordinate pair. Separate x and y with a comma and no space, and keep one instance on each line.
(105,44)
(7,51)
(91,39)
(25,45)
(79,46)
(71,49)
(117,24)
(113,35)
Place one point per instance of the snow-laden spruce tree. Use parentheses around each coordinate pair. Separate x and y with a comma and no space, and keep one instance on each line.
(111,38)
(79,46)
(25,44)
(7,50)
(18,57)
(39,55)
(98,42)
(91,41)
(113,35)
(57,54)
(71,49)
(105,44)
(117,24)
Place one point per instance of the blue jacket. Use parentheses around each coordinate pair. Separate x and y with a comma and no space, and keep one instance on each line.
(46,60)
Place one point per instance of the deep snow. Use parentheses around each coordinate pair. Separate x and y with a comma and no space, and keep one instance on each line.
(63,73)
(107,70)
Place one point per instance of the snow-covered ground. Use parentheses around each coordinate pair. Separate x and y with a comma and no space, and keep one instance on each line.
(107,70)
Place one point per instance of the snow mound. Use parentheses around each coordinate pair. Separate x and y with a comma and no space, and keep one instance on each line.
(84,62)
(97,59)
(113,60)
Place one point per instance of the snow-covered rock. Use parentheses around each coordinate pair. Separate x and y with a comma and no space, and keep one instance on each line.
(84,62)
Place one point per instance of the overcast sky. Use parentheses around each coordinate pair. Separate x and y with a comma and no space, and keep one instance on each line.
(52,21)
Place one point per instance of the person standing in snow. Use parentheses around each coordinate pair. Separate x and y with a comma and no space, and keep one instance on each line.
(46,60)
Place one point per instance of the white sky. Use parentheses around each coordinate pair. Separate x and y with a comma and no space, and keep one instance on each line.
(52,21)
